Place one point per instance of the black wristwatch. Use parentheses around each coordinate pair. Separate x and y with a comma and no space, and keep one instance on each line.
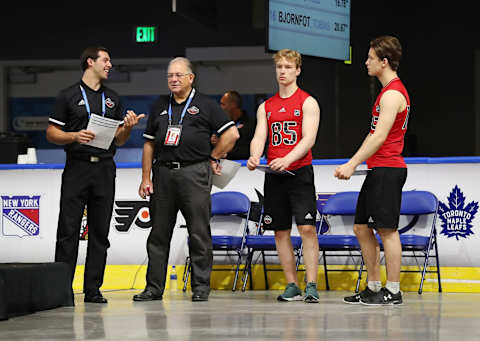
(213,159)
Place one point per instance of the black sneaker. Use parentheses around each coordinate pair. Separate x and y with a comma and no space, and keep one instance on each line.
(383,297)
(355,299)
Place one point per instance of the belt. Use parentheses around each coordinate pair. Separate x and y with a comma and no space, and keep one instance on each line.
(89,158)
(177,164)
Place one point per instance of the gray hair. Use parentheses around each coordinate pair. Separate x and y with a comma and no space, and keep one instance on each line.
(184,60)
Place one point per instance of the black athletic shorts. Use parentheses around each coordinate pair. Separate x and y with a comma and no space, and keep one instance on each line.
(288,196)
(380,198)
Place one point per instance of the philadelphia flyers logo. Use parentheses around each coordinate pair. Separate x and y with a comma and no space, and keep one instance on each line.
(132,213)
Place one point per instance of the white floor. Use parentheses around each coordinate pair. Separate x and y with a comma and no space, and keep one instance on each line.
(252,315)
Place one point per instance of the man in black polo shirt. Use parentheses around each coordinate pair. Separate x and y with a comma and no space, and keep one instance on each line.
(177,150)
(89,174)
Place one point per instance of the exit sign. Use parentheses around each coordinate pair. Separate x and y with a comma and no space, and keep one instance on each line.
(146,34)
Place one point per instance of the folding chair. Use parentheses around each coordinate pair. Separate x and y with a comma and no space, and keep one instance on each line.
(228,203)
(331,243)
(417,203)
(261,242)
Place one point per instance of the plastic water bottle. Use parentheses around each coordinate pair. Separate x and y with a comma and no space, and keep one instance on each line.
(173,278)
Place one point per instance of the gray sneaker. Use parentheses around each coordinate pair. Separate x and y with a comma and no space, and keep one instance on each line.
(291,293)
(311,293)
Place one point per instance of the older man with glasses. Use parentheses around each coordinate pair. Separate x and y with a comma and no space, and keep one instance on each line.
(177,167)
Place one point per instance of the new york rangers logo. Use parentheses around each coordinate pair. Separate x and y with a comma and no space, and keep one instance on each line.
(457,217)
(21,215)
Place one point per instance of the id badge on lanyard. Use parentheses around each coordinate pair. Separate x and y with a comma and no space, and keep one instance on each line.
(174,132)
(172,138)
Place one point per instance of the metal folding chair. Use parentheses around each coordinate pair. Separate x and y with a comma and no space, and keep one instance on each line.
(417,203)
(335,244)
(261,242)
(228,203)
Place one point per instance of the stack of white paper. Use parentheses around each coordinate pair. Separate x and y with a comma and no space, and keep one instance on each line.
(104,129)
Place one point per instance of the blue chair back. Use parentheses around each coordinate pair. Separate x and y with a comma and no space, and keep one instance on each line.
(228,202)
(418,202)
(342,203)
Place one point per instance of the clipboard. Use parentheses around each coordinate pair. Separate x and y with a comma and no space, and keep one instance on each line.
(104,129)
(361,172)
(229,169)
(267,169)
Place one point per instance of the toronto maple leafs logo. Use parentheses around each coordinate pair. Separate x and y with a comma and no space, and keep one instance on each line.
(457,217)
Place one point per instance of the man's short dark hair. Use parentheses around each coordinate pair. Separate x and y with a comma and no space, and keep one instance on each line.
(235,97)
(90,52)
(388,47)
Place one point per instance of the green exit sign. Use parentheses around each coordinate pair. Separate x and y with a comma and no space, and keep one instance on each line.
(146,34)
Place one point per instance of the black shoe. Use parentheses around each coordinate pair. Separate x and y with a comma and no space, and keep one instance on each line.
(147,295)
(199,297)
(355,299)
(95,297)
(383,297)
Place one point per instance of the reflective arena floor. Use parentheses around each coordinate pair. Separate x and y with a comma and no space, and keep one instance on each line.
(252,315)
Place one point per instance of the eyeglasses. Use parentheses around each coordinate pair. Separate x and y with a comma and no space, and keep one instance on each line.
(177,75)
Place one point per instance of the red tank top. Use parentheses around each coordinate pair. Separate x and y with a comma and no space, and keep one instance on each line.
(389,154)
(284,118)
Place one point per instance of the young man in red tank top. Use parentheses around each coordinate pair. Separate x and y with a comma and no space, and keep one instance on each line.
(380,198)
(289,120)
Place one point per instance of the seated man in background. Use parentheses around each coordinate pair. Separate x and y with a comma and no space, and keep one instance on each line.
(231,103)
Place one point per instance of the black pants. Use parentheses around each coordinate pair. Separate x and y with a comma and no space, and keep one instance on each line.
(188,190)
(91,184)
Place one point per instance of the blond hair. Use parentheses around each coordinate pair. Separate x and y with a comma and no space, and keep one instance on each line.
(290,55)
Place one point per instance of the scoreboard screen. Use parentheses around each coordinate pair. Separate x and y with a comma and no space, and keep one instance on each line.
(319,28)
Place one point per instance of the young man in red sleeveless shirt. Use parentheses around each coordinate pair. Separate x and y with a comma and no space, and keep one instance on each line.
(289,120)
(380,198)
